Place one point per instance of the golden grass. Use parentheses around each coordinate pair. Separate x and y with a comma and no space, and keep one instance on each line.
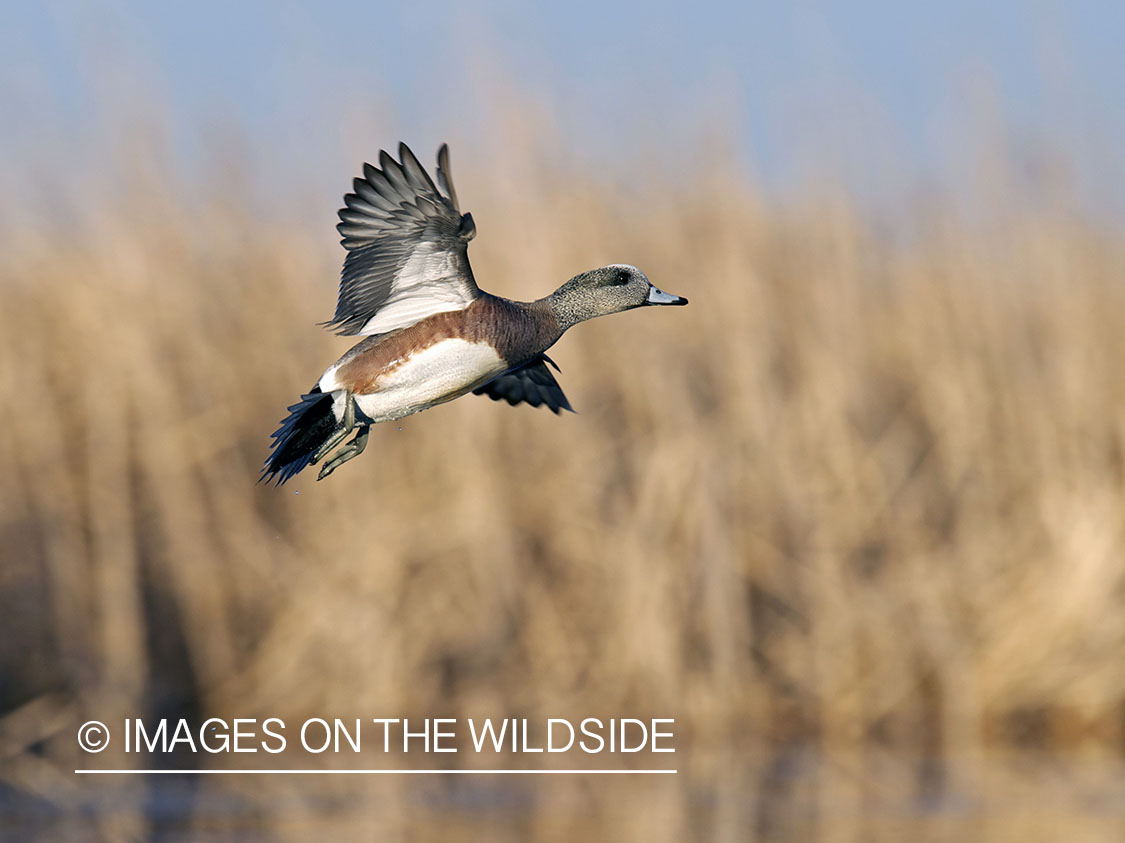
(858,493)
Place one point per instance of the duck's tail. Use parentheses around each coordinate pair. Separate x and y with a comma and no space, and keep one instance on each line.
(308,426)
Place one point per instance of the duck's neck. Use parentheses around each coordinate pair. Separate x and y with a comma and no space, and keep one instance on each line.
(565,307)
(522,329)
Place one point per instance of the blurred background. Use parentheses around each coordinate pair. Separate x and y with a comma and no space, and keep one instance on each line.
(854,518)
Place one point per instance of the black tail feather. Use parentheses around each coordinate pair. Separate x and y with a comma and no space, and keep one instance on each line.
(308,426)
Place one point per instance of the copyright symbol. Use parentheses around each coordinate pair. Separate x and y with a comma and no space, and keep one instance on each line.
(93,736)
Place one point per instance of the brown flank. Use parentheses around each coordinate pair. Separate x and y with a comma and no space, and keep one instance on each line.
(517,330)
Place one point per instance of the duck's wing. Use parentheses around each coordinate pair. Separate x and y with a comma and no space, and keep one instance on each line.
(531,382)
(407,245)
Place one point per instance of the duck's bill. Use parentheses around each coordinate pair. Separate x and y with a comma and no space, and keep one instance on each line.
(656,296)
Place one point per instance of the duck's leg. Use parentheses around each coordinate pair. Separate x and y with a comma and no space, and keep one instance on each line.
(338,436)
(350,451)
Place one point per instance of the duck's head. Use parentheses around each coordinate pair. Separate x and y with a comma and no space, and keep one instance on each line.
(607,289)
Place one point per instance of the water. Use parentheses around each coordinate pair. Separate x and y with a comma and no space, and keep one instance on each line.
(795,795)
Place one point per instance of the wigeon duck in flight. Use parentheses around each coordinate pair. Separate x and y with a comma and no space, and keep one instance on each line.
(431,334)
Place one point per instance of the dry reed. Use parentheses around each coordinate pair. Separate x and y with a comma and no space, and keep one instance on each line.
(858,494)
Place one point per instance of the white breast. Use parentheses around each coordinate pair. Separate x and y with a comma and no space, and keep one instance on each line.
(427,377)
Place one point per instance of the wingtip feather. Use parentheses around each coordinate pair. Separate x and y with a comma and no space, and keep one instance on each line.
(445,175)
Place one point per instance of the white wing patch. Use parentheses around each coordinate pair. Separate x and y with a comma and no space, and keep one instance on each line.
(427,284)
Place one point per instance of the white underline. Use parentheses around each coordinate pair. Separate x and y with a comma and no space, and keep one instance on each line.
(381,772)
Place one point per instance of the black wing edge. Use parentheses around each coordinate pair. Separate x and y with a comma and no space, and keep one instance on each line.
(531,383)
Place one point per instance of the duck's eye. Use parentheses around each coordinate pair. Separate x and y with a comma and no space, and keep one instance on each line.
(622,278)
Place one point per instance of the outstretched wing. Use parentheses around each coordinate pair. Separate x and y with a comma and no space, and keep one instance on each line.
(407,247)
(532,382)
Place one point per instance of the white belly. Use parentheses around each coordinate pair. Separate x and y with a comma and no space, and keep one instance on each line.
(431,376)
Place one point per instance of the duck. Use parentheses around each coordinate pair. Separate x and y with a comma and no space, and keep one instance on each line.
(430,333)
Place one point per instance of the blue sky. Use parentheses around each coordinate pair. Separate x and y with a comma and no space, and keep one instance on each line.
(855,89)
